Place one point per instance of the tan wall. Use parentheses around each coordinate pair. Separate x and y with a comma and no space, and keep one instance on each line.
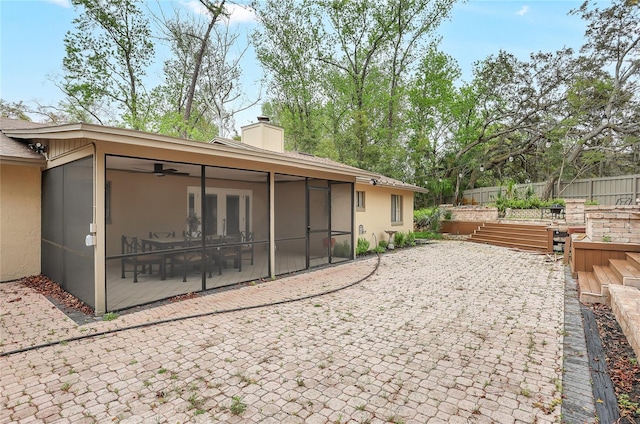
(376,218)
(19,221)
(264,136)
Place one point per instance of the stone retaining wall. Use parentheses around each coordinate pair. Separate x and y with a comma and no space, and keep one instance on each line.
(625,304)
(574,211)
(616,224)
(470,213)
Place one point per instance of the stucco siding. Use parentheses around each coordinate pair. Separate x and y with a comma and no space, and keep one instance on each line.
(19,221)
(376,216)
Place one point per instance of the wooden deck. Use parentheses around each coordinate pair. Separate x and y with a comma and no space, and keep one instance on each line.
(536,238)
(594,285)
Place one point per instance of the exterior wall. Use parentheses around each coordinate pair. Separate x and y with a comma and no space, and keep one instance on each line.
(19,221)
(615,224)
(376,216)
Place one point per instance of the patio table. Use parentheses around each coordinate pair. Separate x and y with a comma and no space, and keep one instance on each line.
(165,245)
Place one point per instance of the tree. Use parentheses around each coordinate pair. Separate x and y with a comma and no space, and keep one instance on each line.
(202,78)
(14,110)
(106,60)
(345,64)
(285,48)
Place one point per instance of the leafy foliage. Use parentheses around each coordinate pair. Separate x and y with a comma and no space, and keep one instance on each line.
(342,250)
(362,246)
(106,59)
(427,218)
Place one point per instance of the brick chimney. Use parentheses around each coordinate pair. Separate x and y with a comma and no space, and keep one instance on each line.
(264,135)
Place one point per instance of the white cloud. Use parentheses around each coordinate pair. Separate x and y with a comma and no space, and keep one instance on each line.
(240,13)
(523,11)
(63,3)
(237,13)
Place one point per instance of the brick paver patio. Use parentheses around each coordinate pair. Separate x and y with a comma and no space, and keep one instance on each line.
(447,332)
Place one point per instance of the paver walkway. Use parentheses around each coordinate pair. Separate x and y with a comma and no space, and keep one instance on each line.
(448,332)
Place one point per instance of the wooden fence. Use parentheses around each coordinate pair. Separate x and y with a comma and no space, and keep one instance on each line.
(606,191)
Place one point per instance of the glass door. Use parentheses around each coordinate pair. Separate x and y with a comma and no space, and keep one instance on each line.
(233,215)
(227,211)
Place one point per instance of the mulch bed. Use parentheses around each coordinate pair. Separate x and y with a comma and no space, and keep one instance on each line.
(53,291)
(622,364)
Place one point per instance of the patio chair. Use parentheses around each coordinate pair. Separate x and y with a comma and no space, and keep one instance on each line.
(189,259)
(227,253)
(247,246)
(162,234)
(131,246)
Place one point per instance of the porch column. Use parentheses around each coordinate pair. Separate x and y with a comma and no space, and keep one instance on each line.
(99,223)
(272,225)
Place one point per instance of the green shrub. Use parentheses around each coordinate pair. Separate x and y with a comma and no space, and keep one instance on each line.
(379,249)
(383,244)
(503,203)
(362,246)
(427,235)
(399,239)
(591,203)
(342,250)
(410,239)
(426,218)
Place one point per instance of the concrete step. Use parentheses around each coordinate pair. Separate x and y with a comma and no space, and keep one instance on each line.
(590,289)
(634,258)
(626,272)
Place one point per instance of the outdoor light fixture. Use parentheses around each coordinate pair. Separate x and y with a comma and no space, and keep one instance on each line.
(373,181)
(38,147)
(460,175)
(510,158)
(157,170)
(481,168)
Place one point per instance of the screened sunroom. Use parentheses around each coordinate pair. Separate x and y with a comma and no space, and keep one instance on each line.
(130,218)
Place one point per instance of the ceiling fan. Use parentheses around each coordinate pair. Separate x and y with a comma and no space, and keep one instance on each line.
(160,171)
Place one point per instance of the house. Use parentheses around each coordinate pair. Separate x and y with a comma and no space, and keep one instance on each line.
(122,218)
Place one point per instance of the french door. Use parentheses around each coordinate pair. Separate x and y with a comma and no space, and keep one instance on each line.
(227,211)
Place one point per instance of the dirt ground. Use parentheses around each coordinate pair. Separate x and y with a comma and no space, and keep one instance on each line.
(622,364)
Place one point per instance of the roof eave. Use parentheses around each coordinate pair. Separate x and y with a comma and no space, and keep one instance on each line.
(119,135)
(16,160)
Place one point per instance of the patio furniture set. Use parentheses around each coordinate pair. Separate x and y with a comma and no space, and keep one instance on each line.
(191,251)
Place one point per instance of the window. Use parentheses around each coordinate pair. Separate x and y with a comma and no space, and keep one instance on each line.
(396,209)
(360,200)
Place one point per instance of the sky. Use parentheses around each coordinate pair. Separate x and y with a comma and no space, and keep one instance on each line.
(32,32)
